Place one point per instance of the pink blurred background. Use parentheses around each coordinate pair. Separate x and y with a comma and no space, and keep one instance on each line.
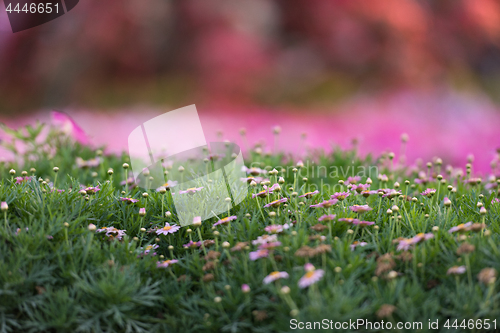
(334,69)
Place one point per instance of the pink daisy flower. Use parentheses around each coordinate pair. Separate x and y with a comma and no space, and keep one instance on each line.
(167,185)
(328,217)
(348,220)
(363,223)
(225,220)
(428,192)
(269,246)
(456,270)
(253,171)
(168,229)
(390,193)
(92,190)
(276,203)
(360,208)
(258,254)
(191,244)
(20,180)
(276,228)
(495,200)
(352,180)
(355,244)
(129,200)
(249,179)
(325,204)
(265,239)
(166,263)
(191,190)
(340,195)
(460,228)
(93,162)
(112,232)
(360,188)
(312,276)
(308,195)
(149,248)
(275,276)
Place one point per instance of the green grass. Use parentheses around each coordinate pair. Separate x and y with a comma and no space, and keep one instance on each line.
(78,280)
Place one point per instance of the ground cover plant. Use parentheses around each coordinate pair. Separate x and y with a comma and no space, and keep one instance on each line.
(333,236)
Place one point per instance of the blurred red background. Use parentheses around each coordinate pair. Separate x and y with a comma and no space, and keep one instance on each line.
(336,69)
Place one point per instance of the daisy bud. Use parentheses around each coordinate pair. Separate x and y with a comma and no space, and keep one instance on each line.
(407,182)
(426,216)
(4,206)
(374,278)
(447,202)
(300,164)
(92,227)
(404,137)
(94,174)
(162,256)
(391,155)
(253,183)
(294,194)
(272,214)
(227,287)
(341,182)
(294,233)
(135,239)
(435,228)
(226,245)
(481,196)
(380,193)
(392,275)
(170,247)
(55,169)
(429,165)
(143,229)
(82,192)
(228,199)
(482,211)
(245,288)
(32,170)
(66,224)
(157,239)
(197,221)
(338,269)
(168,214)
(189,231)
(453,190)
(285,290)
(304,179)
(295,170)
(216,233)
(276,130)
(98,152)
(12,172)
(396,185)
(350,231)
(294,313)
(162,190)
(286,249)
(439,161)
(243,131)
(142,211)
(389,212)
(24,173)
(487,232)
(309,267)
(181,169)
(369,181)
(439,177)
(395,208)
(479,204)
(125,165)
(248,215)
(123,192)
(281,180)
(44,183)
(376,227)
(145,195)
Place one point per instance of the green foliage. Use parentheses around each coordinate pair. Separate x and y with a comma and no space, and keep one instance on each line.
(56,275)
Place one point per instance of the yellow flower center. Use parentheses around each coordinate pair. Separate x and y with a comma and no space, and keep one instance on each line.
(309,274)
(166,228)
(149,247)
(275,273)
(420,234)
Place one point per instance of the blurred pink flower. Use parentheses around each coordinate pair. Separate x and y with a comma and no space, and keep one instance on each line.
(69,127)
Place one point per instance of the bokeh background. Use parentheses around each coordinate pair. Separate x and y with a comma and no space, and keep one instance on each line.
(335,70)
